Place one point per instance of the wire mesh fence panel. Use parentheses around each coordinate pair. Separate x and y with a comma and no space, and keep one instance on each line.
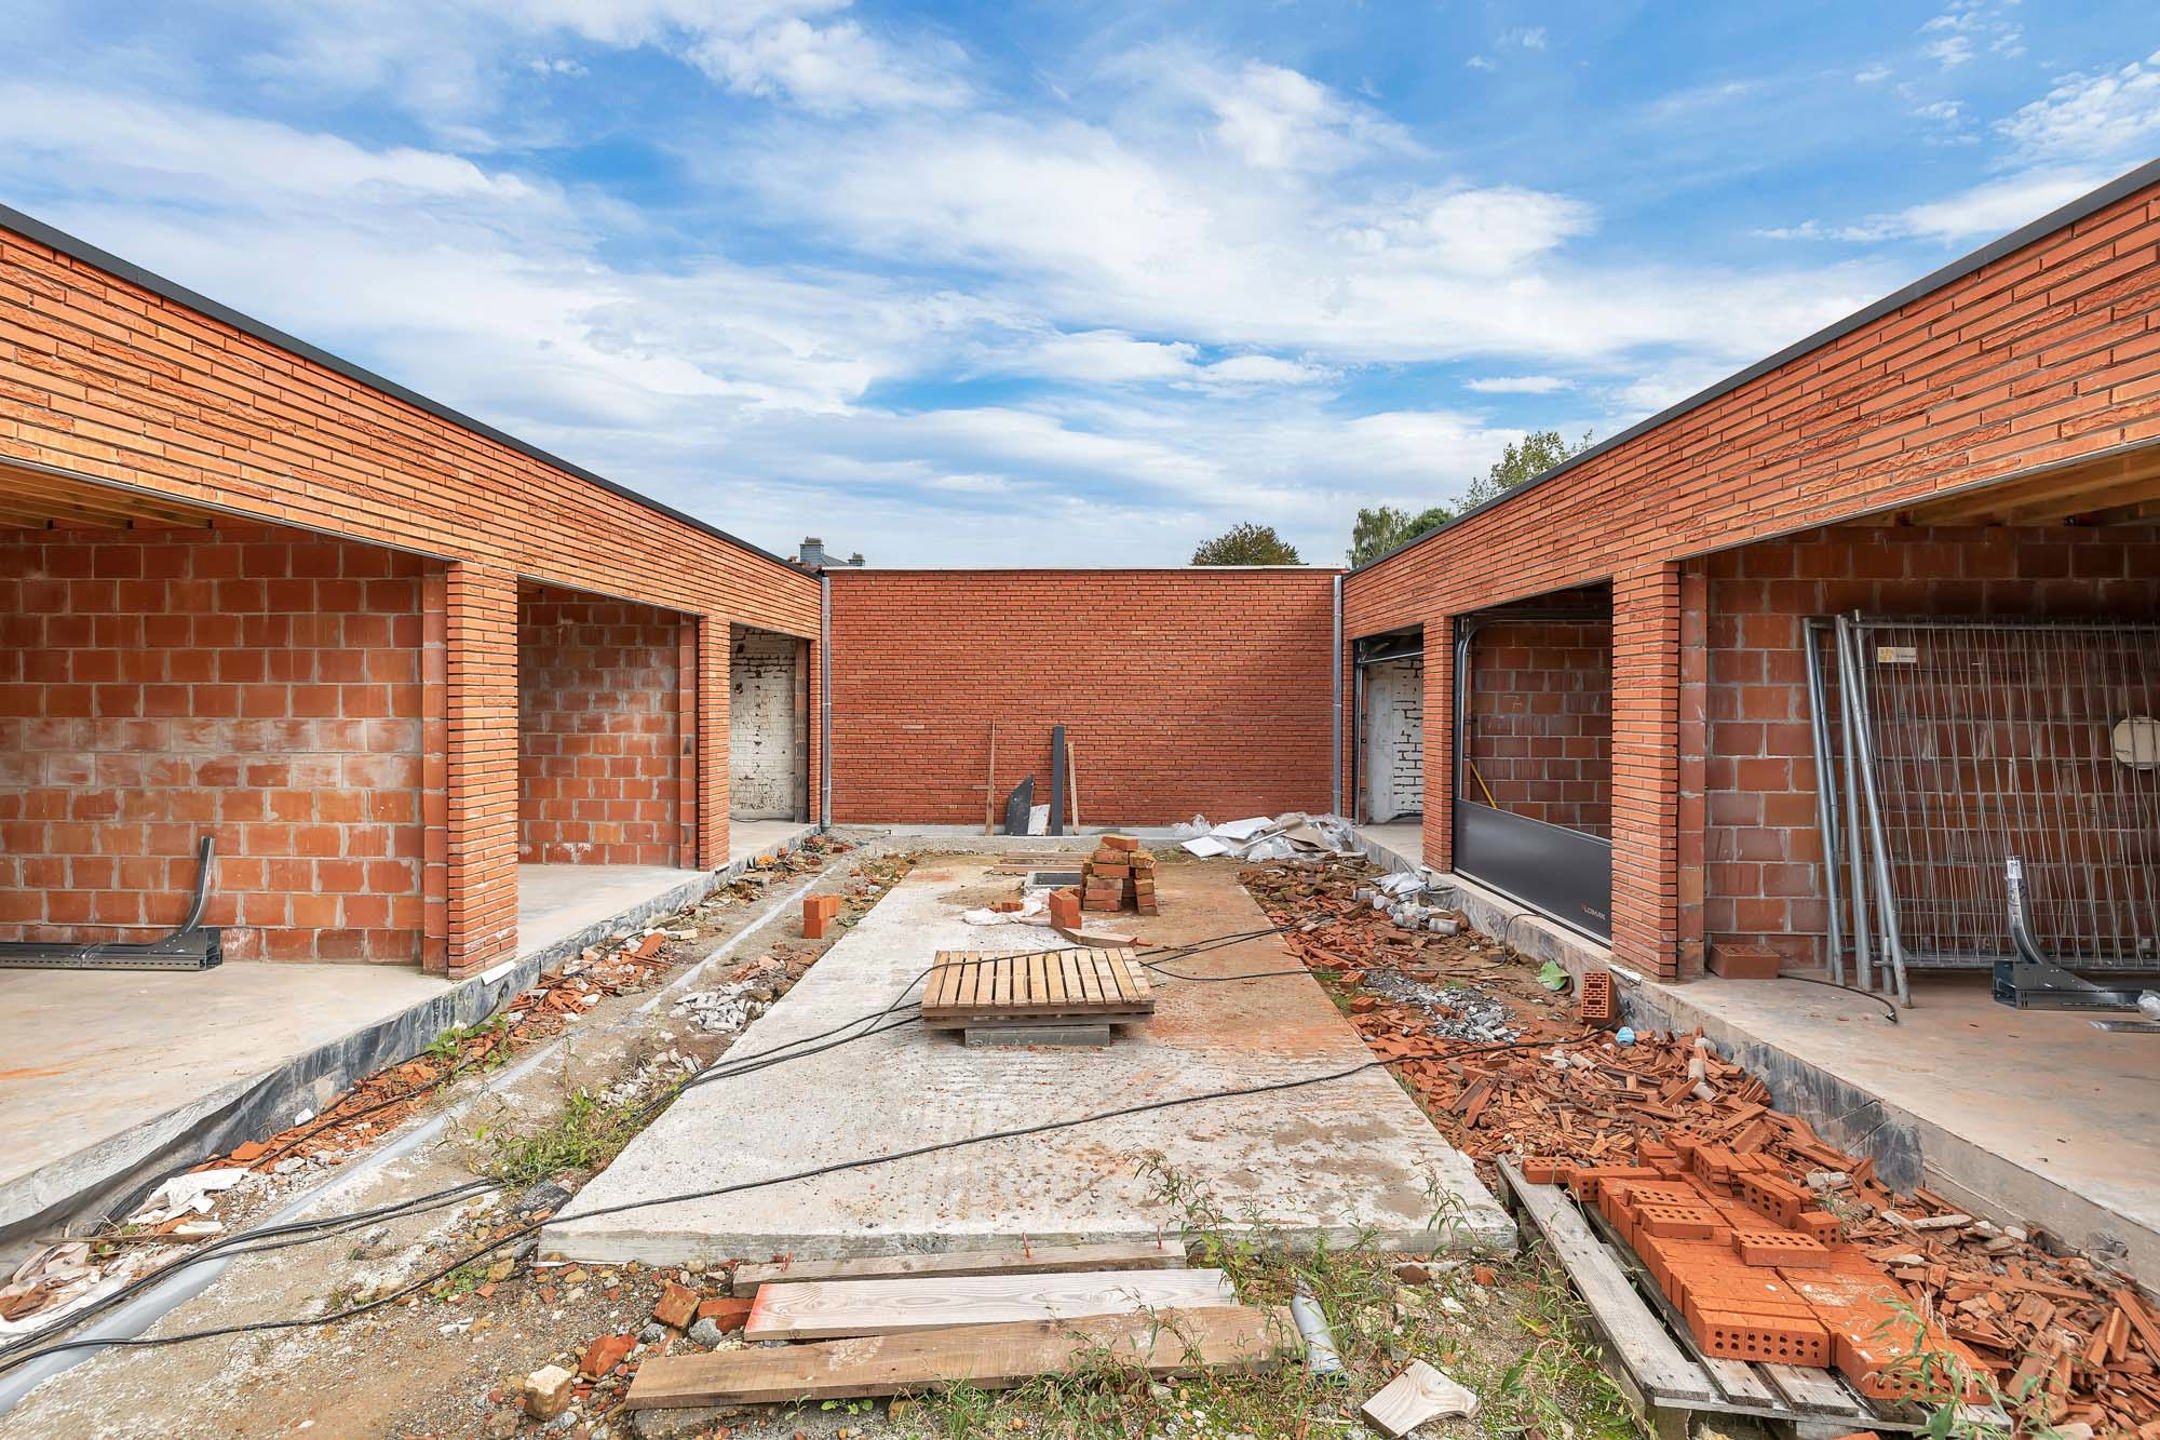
(2041,741)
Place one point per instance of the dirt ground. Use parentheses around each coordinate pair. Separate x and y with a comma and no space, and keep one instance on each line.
(444,1362)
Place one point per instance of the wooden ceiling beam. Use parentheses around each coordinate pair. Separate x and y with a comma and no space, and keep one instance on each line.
(2038,499)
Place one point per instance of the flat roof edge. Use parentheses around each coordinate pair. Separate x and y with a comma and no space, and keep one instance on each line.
(2063,216)
(31,228)
(838,570)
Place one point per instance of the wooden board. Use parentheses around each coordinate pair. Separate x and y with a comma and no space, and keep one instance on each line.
(1419,1394)
(826,1309)
(1042,1260)
(1638,1337)
(989,1357)
(965,988)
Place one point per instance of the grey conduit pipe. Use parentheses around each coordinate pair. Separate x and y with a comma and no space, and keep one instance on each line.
(1335,715)
(824,656)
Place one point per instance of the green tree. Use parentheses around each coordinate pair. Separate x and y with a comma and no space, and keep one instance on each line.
(1247,544)
(1381,528)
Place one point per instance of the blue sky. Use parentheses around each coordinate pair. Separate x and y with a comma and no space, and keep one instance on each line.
(971,283)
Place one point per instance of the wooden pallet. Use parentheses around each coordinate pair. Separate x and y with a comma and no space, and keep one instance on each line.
(1087,986)
(1658,1362)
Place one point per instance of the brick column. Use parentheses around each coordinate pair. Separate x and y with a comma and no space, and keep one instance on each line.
(435,772)
(713,653)
(481,740)
(813,732)
(1440,742)
(1645,766)
(687,810)
(1691,814)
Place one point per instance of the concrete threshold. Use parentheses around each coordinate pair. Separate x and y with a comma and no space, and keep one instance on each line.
(209,1113)
(2021,1117)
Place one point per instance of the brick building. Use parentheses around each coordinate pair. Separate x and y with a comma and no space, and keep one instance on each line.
(384,654)
(379,652)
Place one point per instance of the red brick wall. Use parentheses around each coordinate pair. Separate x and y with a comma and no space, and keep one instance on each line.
(100,377)
(1539,730)
(259,685)
(1182,691)
(2048,354)
(599,733)
(1761,842)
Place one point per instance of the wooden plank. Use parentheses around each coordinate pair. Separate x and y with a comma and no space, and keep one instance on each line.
(828,1309)
(1056,977)
(1043,1260)
(1812,1392)
(1637,1336)
(1419,1394)
(989,1357)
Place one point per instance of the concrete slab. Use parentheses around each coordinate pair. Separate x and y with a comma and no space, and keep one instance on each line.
(557,902)
(1339,1158)
(93,1056)
(754,839)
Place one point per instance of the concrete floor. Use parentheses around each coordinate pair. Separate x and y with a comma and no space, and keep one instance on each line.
(1336,1158)
(93,1060)
(749,839)
(1405,838)
(557,902)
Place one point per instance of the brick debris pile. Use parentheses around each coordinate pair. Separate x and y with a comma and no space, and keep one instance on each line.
(2064,1340)
(1118,876)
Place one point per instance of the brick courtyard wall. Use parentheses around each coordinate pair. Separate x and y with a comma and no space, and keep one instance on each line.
(2046,355)
(257,685)
(115,381)
(599,731)
(1763,848)
(1202,691)
(1539,729)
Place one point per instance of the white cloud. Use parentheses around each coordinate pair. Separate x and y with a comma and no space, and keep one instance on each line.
(2071,140)
(1969,27)
(1482,62)
(1279,119)
(1529,37)
(831,68)
(147,147)
(2111,114)
(1518,384)
(1872,74)
(439,57)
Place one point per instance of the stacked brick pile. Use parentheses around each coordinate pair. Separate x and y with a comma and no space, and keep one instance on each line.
(1118,876)
(1759,1272)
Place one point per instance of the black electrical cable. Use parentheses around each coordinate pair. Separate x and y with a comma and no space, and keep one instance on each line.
(279,1237)
(728,1068)
(836,1167)
(1889,1010)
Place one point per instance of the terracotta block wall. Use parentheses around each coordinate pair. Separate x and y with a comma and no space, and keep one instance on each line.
(2046,354)
(1183,692)
(1539,730)
(259,685)
(599,730)
(1762,847)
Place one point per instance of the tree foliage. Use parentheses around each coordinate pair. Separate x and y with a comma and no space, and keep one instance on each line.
(1247,544)
(1381,528)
